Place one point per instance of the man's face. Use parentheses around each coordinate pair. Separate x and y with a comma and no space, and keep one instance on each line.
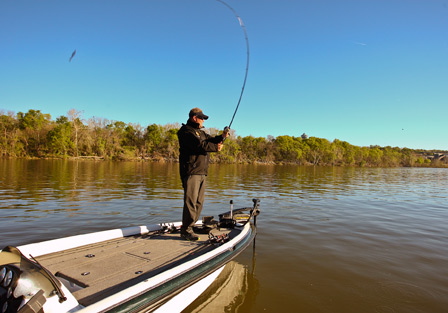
(198,120)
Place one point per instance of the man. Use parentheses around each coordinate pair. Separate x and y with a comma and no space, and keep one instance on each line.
(194,147)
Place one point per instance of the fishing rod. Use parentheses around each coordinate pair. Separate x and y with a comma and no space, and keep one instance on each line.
(227,128)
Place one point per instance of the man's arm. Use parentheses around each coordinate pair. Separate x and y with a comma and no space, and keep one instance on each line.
(196,145)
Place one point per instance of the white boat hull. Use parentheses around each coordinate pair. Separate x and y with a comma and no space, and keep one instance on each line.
(171,288)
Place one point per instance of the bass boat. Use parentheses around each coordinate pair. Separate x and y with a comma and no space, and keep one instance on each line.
(133,269)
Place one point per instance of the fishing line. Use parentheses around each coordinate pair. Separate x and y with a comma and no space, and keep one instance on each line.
(247,61)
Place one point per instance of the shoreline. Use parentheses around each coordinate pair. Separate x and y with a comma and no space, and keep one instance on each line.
(255,162)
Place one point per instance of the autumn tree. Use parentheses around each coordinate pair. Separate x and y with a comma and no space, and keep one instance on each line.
(75,118)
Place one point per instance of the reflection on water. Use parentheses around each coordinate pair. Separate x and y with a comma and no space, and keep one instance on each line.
(234,290)
(329,239)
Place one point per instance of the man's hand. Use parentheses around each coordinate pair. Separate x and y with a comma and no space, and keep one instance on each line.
(220,145)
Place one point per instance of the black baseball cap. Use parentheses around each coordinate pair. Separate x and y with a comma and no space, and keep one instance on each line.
(198,112)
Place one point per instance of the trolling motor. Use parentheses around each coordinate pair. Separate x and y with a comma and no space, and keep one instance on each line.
(226,220)
(231,218)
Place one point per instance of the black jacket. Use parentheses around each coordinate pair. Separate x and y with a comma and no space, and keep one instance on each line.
(194,148)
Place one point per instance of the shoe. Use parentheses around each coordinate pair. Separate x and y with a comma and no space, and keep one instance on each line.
(189,236)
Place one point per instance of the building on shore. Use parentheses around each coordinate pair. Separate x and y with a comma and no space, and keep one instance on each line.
(441,157)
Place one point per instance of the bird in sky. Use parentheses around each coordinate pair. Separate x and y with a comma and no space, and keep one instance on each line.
(73,54)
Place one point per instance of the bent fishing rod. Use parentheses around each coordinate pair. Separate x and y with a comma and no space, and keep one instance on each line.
(227,128)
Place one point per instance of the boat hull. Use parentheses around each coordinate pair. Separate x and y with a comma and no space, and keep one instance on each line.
(167,288)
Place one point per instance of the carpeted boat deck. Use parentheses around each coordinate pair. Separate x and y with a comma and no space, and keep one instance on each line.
(99,270)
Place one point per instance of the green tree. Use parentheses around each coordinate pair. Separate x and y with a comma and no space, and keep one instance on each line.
(374,157)
(289,149)
(34,126)
(319,150)
(249,148)
(60,137)
(10,145)
(170,144)
(113,139)
(231,152)
(338,152)
(391,157)
(152,138)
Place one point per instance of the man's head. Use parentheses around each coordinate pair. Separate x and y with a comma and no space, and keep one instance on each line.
(197,116)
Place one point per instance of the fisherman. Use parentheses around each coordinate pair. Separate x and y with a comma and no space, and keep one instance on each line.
(194,147)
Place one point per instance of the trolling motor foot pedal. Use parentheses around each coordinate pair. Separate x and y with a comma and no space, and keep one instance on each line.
(208,223)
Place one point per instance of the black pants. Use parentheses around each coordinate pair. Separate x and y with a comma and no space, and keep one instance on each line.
(194,192)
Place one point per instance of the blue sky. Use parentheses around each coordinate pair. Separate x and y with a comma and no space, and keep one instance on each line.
(370,72)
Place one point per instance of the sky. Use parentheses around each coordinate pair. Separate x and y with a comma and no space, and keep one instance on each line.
(369,72)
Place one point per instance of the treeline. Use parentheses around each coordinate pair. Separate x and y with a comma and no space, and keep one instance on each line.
(35,134)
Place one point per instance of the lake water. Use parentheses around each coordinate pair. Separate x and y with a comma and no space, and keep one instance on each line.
(329,239)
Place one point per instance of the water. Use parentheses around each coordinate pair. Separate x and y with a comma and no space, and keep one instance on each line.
(329,239)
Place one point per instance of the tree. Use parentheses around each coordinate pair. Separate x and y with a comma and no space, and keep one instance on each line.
(10,145)
(230,153)
(152,137)
(319,150)
(289,148)
(338,152)
(95,142)
(391,157)
(374,156)
(170,144)
(34,125)
(60,137)
(75,118)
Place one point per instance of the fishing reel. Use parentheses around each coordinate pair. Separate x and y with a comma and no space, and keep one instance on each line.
(226,130)
(218,239)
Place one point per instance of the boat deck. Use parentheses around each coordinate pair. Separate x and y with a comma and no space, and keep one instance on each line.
(97,271)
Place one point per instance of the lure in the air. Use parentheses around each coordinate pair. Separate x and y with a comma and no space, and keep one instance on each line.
(73,54)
